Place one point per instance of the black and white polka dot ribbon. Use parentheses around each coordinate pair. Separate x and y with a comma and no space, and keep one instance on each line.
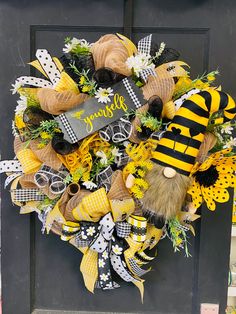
(46,176)
(117,132)
(50,69)
(10,166)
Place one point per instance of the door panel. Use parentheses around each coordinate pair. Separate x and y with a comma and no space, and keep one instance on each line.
(41,272)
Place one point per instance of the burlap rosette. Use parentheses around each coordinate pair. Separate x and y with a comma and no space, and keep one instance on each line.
(46,155)
(57,103)
(118,190)
(109,52)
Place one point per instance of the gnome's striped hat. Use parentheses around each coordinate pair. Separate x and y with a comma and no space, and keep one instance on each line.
(179,146)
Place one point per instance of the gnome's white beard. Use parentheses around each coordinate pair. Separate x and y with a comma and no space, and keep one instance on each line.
(165,196)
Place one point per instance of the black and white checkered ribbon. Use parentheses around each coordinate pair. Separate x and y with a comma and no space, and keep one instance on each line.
(26,195)
(103,179)
(68,128)
(118,131)
(46,176)
(123,229)
(144,45)
(136,269)
(122,158)
(131,93)
(80,242)
(144,74)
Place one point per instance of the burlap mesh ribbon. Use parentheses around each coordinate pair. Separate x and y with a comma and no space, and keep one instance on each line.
(109,52)
(46,155)
(57,103)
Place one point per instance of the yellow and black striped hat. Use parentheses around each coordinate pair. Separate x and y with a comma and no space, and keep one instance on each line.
(179,146)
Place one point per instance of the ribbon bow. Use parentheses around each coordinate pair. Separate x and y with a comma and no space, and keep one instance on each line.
(46,175)
(107,239)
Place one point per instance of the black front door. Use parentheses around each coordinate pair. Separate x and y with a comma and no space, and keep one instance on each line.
(41,272)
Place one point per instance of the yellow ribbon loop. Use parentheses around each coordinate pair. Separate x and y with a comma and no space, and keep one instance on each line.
(69,229)
(29,162)
(54,215)
(89,269)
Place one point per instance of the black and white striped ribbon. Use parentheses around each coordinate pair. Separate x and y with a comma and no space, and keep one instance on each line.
(46,176)
(122,158)
(118,131)
(103,178)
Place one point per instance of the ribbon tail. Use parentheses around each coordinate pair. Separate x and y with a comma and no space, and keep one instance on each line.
(89,269)
(140,286)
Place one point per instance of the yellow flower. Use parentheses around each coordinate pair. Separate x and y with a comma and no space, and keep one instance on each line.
(178,241)
(141,182)
(82,80)
(20,124)
(141,173)
(212,178)
(136,191)
(131,168)
(86,89)
(45,135)
(211,77)
(41,145)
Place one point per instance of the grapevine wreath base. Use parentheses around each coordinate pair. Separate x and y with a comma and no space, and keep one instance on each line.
(116,147)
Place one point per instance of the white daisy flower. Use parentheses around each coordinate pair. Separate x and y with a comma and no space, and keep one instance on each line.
(22,105)
(103,94)
(14,130)
(115,152)
(89,185)
(109,285)
(91,231)
(16,86)
(103,157)
(83,235)
(75,42)
(105,255)
(230,143)
(227,129)
(101,263)
(116,249)
(139,62)
(103,277)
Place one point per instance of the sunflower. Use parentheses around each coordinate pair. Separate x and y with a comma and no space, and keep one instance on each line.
(212,178)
